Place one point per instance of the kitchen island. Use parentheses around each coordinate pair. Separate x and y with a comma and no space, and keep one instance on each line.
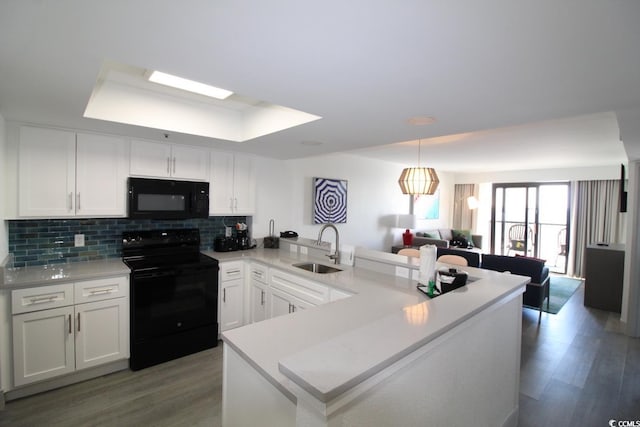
(387,355)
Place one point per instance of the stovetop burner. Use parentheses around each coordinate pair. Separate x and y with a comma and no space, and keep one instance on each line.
(152,249)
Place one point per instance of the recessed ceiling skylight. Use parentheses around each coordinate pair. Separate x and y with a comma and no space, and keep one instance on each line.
(124,94)
(189,85)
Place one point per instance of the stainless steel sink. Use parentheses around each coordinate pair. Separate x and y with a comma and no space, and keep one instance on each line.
(317,268)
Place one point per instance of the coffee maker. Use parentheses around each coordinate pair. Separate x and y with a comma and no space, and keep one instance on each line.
(242,239)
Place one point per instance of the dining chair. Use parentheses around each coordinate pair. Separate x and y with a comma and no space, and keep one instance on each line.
(410,252)
(453,259)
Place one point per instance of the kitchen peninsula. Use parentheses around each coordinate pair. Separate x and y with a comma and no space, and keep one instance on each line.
(387,355)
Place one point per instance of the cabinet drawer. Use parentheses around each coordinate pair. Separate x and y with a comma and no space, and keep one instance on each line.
(306,290)
(259,273)
(41,298)
(231,270)
(101,289)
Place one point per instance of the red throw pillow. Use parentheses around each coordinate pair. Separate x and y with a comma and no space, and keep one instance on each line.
(531,257)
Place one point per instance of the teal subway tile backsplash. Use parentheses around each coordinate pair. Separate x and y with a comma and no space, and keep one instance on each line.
(51,241)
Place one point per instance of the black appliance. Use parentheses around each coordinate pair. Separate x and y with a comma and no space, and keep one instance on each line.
(167,199)
(242,237)
(225,244)
(174,295)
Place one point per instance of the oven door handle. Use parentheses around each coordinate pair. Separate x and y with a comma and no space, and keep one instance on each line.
(153,274)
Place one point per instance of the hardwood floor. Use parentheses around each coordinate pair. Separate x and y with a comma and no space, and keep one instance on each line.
(578,369)
(183,392)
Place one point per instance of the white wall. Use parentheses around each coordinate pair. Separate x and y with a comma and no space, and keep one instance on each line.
(373,195)
(3,190)
(273,197)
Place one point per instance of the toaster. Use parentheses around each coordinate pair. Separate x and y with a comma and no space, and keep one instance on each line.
(225,244)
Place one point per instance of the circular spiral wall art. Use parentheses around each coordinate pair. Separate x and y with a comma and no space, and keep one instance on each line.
(330,201)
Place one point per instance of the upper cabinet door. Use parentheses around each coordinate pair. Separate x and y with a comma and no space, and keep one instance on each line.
(161,160)
(221,183)
(244,185)
(150,159)
(101,175)
(190,163)
(46,173)
(232,184)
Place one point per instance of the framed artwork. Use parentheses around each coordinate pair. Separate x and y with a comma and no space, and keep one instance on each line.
(427,207)
(329,201)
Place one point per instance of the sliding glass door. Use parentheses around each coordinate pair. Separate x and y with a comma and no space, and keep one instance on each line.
(531,219)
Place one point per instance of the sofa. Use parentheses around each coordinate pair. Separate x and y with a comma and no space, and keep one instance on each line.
(446,237)
(534,268)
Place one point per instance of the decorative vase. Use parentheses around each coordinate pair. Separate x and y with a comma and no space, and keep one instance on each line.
(407,238)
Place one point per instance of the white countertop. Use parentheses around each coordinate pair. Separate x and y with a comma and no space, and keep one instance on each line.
(15,278)
(333,347)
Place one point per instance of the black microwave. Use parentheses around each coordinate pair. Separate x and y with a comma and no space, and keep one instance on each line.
(167,199)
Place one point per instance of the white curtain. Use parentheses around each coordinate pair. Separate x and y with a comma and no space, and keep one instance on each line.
(463,217)
(596,218)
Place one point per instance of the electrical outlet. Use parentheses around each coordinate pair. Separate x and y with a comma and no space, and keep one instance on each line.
(227,232)
(78,240)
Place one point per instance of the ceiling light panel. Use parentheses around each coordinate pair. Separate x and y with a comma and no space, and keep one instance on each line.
(189,85)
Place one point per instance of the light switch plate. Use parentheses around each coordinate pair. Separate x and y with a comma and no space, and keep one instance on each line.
(78,240)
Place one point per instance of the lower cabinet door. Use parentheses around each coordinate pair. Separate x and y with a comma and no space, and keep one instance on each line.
(284,303)
(102,332)
(43,345)
(231,304)
(258,302)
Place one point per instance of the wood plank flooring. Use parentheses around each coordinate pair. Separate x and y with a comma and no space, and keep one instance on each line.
(577,369)
(183,392)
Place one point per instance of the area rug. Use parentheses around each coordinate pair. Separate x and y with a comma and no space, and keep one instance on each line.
(560,290)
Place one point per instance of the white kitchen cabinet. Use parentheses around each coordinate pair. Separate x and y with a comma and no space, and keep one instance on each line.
(163,160)
(258,293)
(291,293)
(74,334)
(63,174)
(43,345)
(232,184)
(101,332)
(284,303)
(101,176)
(231,295)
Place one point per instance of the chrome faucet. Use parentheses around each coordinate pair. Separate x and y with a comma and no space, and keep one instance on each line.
(336,256)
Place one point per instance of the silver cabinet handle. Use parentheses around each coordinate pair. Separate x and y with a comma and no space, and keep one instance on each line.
(70,325)
(101,291)
(70,201)
(236,203)
(78,322)
(78,201)
(261,297)
(224,294)
(43,300)
(174,165)
(168,165)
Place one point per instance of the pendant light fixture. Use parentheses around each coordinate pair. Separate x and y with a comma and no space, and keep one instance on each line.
(418,180)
